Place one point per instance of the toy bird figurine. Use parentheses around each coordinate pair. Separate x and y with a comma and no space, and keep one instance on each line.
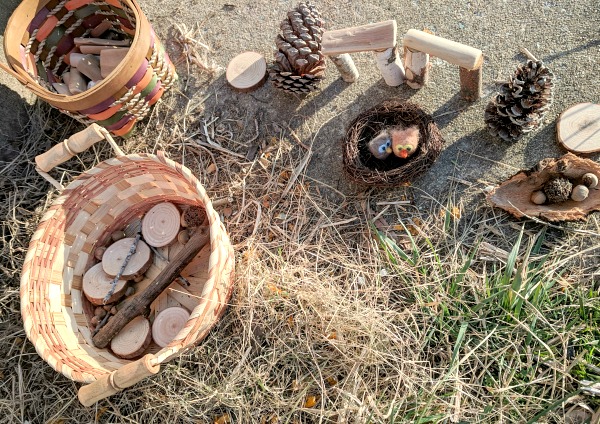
(381,145)
(405,141)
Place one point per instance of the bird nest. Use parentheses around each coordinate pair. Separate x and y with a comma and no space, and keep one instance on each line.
(363,167)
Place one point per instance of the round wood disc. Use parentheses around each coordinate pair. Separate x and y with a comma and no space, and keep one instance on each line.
(247,71)
(115,255)
(133,339)
(578,128)
(167,324)
(160,225)
(97,283)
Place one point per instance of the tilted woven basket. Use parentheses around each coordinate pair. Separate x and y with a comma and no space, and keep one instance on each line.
(40,34)
(98,202)
(360,164)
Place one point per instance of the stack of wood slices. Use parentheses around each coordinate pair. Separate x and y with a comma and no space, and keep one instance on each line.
(148,280)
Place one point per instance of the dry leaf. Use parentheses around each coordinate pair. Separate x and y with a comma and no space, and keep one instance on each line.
(227,212)
(456,212)
(223,419)
(211,168)
(295,385)
(266,204)
(274,289)
(332,335)
(332,381)
(310,401)
(101,412)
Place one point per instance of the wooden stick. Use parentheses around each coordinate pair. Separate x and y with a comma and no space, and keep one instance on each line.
(450,51)
(138,305)
(417,66)
(471,81)
(390,65)
(345,65)
(370,37)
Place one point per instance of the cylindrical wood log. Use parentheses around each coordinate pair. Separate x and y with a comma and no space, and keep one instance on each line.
(390,65)
(369,37)
(416,66)
(247,71)
(160,225)
(346,67)
(64,151)
(578,128)
(110,384)
(471,81)
(115,255)
(456,53)
(96,285)
(140,302)
(167,325)
(133,339)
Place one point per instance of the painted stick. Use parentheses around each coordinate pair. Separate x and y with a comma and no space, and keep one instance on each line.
(345,65)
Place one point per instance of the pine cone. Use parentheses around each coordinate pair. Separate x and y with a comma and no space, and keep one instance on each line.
(299,64)
(521,103)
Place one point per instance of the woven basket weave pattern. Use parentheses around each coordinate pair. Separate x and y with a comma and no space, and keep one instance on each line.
(49,38)
(94,205)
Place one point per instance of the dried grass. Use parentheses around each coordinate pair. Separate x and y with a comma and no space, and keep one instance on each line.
(346,310)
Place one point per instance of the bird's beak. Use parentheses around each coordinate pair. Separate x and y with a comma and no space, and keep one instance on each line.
(403,154)
(388,150)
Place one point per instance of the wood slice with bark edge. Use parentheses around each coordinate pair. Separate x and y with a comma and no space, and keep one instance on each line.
(168,324)
(578,128)
(160,225)
(247,71)
(115,255)
(514,195)
(97,283)
(133,339)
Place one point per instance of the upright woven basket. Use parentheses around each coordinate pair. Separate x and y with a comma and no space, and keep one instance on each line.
(40,34)
(94,205)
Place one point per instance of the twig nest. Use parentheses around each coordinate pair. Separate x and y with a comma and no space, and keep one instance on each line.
(580,193)
(590,180)
(558,190)
(360,163)
(538,197)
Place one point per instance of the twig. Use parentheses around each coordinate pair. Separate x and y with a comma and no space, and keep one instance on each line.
(101,323)
(528,54)
(220,149)
(132,250)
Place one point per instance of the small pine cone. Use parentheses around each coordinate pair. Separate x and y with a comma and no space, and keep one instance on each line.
(521,103)
(558,190)
(299,64)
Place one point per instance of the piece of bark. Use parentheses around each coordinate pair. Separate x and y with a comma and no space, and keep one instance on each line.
(110,59)
(167,325)
(141,301)
(133,339)
(115,255)
(471,82)
(160,225)
(247,71)
(578,128)
(97,283)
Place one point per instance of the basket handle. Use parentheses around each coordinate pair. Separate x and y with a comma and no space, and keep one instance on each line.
(10,71)
(70,147)
(120,379)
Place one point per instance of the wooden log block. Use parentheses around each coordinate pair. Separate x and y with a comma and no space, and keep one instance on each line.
(133,339)
(61,88)
(115,255)
(346,67)
(101,28)
(91,49)
(370,37)
(160,225)
(110,59)
(456,53)
(471,82)
(77,83)
(247,71)
(140,302)
(81,41)
(416,65)
(97,283)
(578,128)
(390,65)
(167,325)
(89,65)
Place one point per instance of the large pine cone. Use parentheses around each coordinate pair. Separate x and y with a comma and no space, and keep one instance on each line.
(521,103)
(299,64)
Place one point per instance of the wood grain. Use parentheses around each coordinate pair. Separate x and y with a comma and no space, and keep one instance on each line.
(364,38)
(578,128)
(247,71)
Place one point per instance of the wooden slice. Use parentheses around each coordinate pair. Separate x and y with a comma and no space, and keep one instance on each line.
(247,71)
(167,324)
(578,128)
(133,339)
(160,225)
(97,283)
(115,255)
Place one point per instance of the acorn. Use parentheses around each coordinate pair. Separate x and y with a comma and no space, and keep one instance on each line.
(558,190)
(117,235)
(538,197)
(580,193)
(590,180)
(100,312)
(99,252)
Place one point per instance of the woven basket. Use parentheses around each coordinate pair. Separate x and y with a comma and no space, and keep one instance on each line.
(98,202)
(360,164)
(40,34)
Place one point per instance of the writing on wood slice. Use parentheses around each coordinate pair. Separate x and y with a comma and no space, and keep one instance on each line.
(167,324)
(160,225)
(97,283)
(133,339)
(115,255)
(247,71)
(578,128)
